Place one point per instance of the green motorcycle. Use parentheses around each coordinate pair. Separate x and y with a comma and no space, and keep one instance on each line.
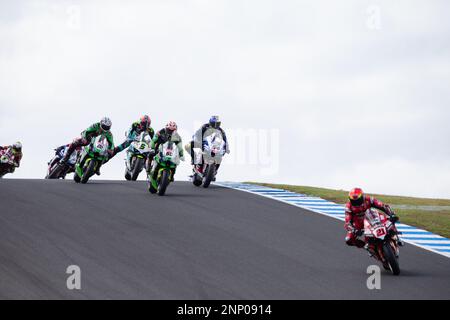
(90,159)
(165,163)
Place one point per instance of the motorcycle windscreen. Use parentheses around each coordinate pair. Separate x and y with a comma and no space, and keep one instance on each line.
(100,145)
(169,152)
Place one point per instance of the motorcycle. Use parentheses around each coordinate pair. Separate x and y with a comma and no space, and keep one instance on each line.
(381,237)
(90,159)
(6,162)
(165,163)
(210,159)
(55,170)
(137,154)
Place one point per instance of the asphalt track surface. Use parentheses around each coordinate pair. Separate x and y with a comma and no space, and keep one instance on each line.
(191,244)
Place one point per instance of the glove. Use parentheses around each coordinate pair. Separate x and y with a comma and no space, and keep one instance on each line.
(204,144)
(393,218)
(152,153)
(182,158)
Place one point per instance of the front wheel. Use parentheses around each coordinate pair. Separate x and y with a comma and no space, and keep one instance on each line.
(137,168)
(55,171)
(164,182)
(76,177)
(390,258)
(197,181)
(209,176)
(89,172)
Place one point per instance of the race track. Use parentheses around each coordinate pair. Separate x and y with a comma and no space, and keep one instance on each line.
(191,244)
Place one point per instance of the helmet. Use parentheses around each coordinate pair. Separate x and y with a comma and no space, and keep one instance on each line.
(214,122)
(171,127)
(356,197)
(106,123)
(17,146)
(145,122)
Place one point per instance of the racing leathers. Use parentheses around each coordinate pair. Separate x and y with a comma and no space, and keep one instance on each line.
(86,137)
(161,137)
(200,136)
(354,219)
(132,133)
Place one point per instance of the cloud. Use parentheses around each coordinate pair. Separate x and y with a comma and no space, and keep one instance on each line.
(346,99)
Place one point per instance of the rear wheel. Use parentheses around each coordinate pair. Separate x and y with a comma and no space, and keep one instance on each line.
(164,182)
(209,176)
(389,255)
(89,171)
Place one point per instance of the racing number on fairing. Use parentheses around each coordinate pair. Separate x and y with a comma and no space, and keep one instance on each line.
(380,232)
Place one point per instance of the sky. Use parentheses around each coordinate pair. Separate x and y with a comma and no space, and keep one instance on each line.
(323,93)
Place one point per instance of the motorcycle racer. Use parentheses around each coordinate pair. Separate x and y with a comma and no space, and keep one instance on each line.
(16,151)
(102,127)
(168,133)
(354,215)
(59,154)
(198,139)
(144,124)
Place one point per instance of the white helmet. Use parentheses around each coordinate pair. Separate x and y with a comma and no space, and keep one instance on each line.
(17,146)
(106,123)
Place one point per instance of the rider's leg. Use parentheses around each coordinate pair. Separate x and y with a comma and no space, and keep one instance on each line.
(78,142)
(352,240)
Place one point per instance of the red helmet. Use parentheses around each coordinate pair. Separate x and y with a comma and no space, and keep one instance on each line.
(171,127)
(145,122)
(356,197)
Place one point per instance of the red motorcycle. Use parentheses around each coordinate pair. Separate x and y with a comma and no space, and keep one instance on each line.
(7,164)
(381,237)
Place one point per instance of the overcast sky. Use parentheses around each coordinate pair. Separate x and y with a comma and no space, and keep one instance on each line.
(331,93)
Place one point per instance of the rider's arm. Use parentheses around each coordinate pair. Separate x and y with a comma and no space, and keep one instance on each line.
(198,138)
(92,129)
(17,159)
(179,144)
(224,136)
(348,218)
(227,146)
(151,132)
(377,204)
(132,130)
(110,138)
(154,140)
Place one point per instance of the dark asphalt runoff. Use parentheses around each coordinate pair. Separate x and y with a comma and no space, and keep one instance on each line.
(193,243)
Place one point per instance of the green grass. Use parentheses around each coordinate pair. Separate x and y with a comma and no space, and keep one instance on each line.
(430,214)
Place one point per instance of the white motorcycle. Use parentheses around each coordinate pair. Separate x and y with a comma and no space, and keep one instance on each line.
(208,160)
(381,237)
(137,154)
